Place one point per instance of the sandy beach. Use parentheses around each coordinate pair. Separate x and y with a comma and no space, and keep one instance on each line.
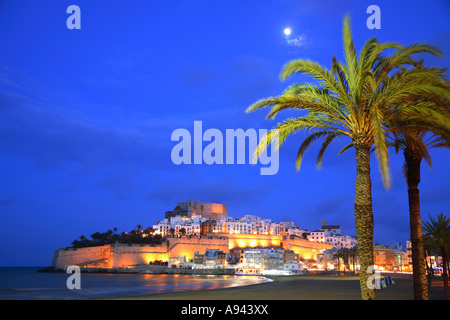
(303,287)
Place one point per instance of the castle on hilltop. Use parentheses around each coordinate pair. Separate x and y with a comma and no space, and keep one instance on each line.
(192,229)
(190,208)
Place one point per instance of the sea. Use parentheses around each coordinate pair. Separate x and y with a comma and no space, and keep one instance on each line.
(25,283)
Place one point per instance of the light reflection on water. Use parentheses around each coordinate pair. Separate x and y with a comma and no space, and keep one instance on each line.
(26,283)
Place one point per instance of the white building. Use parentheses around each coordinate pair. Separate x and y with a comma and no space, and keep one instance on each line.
(317,236)
(295,231)
(342,241)
(332,234)
(191,225)
(330,229)
(293,267)
(176,262)
(261,261)
(251,224)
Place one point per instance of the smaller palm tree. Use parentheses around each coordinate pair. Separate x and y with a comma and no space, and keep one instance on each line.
(438,231)
(430,251)
(149,231)
(342,253)
(353,253)
(338,256)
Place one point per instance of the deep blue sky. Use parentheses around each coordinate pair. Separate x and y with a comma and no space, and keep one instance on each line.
(86,115)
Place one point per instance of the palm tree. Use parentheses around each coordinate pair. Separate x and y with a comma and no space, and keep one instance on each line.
(338,256)
(430,250)
(354,99)
(353,253)
(341,253)
(149,231)
(416,139)
(439,233)
(414,151)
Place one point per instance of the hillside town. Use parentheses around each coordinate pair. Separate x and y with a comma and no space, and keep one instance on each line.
(197,237)
(199,219)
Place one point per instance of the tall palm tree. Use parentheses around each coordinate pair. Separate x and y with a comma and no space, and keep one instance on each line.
(439,232)
(415,146)
(353,99)
(416,137)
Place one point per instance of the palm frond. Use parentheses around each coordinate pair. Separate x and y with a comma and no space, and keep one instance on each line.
(381,149)
(306,144)
(345,149)
(329,138)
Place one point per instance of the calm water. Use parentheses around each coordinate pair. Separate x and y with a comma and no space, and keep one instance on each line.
(25,283)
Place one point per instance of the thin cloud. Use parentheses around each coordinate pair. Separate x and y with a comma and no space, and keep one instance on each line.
(297,40)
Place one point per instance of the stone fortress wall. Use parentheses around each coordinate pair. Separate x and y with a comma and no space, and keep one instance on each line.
(187,246)
(123,255)
(100,257)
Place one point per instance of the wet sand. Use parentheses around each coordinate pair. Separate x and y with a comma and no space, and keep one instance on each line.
(302,287)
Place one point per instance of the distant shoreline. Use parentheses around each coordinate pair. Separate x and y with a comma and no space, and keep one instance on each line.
(24,283)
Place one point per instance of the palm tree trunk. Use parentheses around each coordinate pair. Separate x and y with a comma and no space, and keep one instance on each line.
(364,214)
(413,161)
(445,274)
(339,264)
(428,266)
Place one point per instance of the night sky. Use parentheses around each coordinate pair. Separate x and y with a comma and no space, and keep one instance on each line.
(86,116)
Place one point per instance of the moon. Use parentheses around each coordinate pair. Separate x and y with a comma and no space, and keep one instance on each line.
(287,31)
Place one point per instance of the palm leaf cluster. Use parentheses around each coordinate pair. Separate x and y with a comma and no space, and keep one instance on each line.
(438,236)
(359,98)
(378,97)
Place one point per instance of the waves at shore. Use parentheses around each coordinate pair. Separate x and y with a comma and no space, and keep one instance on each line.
(25,283)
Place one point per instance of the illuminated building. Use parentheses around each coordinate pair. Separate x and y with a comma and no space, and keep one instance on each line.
(211,259)
(383,258)
(268,261)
